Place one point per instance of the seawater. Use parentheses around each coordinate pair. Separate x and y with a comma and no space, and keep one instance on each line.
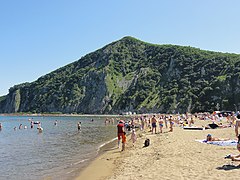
(56,153)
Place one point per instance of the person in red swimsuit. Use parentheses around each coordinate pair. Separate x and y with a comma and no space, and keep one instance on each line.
(120,131)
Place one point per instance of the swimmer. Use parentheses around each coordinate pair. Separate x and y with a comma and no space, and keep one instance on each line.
(0,126)
(40,130)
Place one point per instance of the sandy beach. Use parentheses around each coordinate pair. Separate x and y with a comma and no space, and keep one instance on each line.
(171,155)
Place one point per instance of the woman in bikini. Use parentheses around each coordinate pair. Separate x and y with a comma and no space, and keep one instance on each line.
(210,138)
(160,124)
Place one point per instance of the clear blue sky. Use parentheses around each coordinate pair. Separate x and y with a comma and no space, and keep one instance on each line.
(39,36)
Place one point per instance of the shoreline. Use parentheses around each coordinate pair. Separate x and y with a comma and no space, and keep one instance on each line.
(65,115)
(96,162)
(102,165)
(177,155)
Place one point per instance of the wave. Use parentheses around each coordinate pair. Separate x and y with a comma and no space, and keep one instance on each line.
(79,162)
(105,143)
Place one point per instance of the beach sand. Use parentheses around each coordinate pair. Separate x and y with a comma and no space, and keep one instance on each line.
(171,155)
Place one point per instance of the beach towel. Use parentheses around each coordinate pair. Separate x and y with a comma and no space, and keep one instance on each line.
(220,143)
(193,128)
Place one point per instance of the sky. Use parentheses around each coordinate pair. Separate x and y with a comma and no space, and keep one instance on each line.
(40,36)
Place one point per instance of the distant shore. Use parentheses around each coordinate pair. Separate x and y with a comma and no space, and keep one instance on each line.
(48,114)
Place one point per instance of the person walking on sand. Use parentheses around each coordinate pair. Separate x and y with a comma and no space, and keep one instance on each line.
(171,124)
(124,140)
(142,123)
(120,131)
(237,125)
(154,124)
(165,120)
(133,136)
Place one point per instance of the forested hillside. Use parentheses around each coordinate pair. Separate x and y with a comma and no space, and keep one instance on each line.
(131,75)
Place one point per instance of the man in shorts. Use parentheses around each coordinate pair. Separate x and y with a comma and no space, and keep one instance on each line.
(154,124)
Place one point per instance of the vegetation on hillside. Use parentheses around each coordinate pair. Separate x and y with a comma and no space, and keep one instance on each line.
(131,75)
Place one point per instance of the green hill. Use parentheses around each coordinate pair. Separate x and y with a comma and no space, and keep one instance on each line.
(131,75)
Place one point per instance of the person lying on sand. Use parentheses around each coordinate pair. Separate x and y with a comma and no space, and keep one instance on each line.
(213,125)
(210,138)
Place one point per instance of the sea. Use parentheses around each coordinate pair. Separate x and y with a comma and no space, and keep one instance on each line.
(59,152)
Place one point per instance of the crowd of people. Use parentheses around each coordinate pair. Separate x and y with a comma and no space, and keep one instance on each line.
(156,122)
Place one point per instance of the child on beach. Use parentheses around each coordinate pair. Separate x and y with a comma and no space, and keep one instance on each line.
(124,140)
(160,124)
(133,136)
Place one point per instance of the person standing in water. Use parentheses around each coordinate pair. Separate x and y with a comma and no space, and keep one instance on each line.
(40,129)
(79,126)
(31,124)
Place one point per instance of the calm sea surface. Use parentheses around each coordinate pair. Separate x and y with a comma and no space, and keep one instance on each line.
(56,153)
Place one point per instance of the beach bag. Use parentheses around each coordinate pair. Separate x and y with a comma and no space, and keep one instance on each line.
(147,143)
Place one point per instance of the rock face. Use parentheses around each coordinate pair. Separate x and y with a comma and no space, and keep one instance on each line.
(131,75)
